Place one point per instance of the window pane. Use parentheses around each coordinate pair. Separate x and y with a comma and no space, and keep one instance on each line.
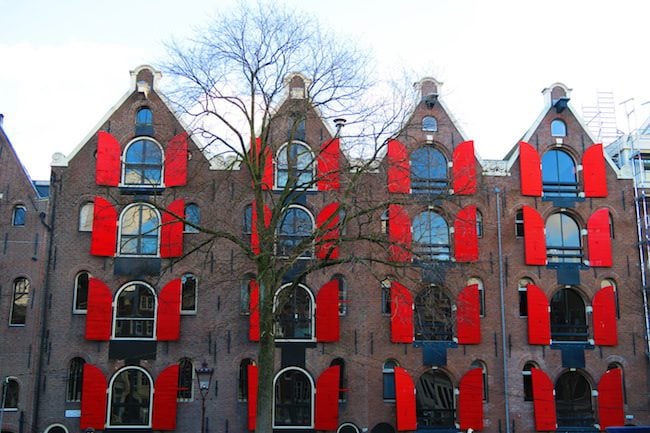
(19,216)
(428,171)
(293,399)
(293,314)
(86,217)
(81,291)
(568,316)
(188,299)
(559,174)
(193,216)
(20,302)
(134,315)
(431,236)
(143,163)
(75,373)
(558,128)
(130,397)
(573,401)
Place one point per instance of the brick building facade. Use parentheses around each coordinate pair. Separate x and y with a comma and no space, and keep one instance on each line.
(526,265)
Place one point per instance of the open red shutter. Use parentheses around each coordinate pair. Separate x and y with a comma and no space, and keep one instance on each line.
(327,223)
(470,400)
(611,410)
(255,237)
(404,400)
(176,161)
(327,399)
(401,314)
(594,174)
(468,315)
(108,166)
(534,238)
(539,319)
(252,395)
(164,399)
(93,398)
(398,172)
(465,235)
(171,232)
(530,168)
(598,239)
(327,312)
(543,401)
(254,311)
(604,317)
(104,236)
(100,311)
(399,234)
(328,167)
(262,160)
(168,322)
(464,169)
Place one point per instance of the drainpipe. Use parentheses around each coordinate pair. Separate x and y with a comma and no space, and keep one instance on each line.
(502,284)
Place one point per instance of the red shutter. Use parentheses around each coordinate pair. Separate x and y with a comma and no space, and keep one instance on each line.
(327,223)
(401,314)
(604,317)
(398,172)
(594,174)
(327,399)
(93,398)
(468,315)
(539,319)
(263,163)
(465,235)
(610,399)
(100,311)
(254,311)
(328,168)
(327,313)
(543,401)
(171,232)
(534,238)
(470,400)
(104,236)
(252,395)
(399,234)
(164,399)
(404,400)
(464,169)
(530,168)
(255,238)
(598,239)
(168,322)
(108,167)
(176,161)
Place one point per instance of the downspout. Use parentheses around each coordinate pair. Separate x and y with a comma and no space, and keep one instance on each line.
(502,284)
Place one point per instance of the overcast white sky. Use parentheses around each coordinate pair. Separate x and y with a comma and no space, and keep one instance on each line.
(64,64)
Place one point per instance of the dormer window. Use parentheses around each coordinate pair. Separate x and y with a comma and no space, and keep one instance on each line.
(143,162)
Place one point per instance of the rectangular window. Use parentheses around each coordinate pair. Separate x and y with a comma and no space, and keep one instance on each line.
(20,302)
(523,302)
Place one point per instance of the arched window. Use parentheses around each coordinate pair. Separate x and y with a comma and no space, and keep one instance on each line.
(139,224)
(245,294)
(135,309)
(242,382)
(294,313)
(568,316)
(342,382)
(11,393)
(86,217)
(483,366)
(431,237)
(613,365)
(388,374)
(523,296)
(20,302)
(56,428)
(608,282)
(296,127)
(293,399)
(143,162)
(435,406)
(81,282)
(519,223)
(75,377)
(343,294)
(295,166)
(383,427)
(295,231)
(385,296)
(558,128)
(559,174)
(247,220)
(18,216)
(563,243)
(479,224)
(189,286)
(573,401)
(144,122)
(429,171)
(348,427)
(185,379)
(481,293)
(192,218)
(429,124)
(527,377)
(130,398)
(433,320)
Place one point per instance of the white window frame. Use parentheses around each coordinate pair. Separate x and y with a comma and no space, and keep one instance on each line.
(312,315)
(196,295)
(314,162)
(155,312)
(313,397)
(123,164)
(119,231)
(110,398)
